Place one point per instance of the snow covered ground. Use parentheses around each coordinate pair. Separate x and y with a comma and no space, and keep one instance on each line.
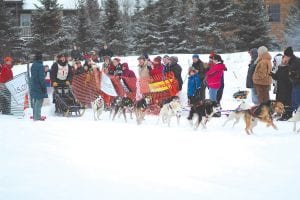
(78,158)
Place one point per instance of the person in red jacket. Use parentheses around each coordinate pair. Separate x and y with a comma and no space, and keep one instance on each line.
(127,72)
(128,78)
(156,72)
(214,76)
(6,75)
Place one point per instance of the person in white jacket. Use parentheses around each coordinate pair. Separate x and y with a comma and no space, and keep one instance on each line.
(277,60)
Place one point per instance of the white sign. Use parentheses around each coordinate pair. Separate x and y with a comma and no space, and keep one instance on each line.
(18,88)
(107,87)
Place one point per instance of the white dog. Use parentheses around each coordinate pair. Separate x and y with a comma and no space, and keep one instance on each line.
(98,107)
(169,110)
(295,119)
(237,114)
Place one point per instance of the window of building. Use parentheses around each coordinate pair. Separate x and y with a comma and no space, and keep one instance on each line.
(274,12)
(25,20)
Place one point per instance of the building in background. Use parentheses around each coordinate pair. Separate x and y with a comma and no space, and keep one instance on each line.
(22,10)
(278,11)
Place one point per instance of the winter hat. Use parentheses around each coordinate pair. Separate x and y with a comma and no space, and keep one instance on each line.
(217,58)
(38,56)
(174,59)
(60,56)
(106,57)
(262,50)
(8,59)
(125,65)
(166,56)
(289,52)
(195,56)
(157,59)
(117,59)
(141,58)
(253,53)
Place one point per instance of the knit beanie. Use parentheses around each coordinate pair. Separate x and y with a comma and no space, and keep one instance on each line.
(196,56)
(289,52)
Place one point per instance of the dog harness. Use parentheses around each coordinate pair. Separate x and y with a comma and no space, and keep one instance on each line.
(253,112)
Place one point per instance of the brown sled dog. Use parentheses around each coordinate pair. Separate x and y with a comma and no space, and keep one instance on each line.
(264,113)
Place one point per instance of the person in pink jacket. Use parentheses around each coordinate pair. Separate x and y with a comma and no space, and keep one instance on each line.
(214,76)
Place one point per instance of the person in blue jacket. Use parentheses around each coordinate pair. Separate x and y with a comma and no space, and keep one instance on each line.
(194,85)
(38,89)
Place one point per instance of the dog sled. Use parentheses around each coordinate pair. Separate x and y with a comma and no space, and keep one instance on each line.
(65,102)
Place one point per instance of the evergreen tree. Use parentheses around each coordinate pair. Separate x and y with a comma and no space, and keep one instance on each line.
(159,26)
(139,32)
(169,27)
(198,29)
(127,25)
(292,27)
(67,34)
(84,37)
(184,26)
(144,28)
(219,15)
(253,25)
(94,21)
(113,28)
(48,34)
(138,7)
(9,40)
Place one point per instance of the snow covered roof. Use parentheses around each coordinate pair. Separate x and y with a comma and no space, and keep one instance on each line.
(67,4)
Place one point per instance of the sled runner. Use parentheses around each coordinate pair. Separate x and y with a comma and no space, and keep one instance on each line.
(65,102)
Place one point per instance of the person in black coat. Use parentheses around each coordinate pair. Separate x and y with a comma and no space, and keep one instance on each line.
(79,69)
(105,51)
(76,53)
(284,90)
(61,72)
(249,81)
(294,75)
(199,66)
(174,67)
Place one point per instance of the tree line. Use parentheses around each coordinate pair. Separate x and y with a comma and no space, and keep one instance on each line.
(163,26)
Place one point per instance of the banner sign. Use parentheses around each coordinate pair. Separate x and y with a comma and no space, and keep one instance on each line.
(107,87)
(161,85)
(18,88)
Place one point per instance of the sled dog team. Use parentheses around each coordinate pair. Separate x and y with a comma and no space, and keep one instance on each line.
(200,113)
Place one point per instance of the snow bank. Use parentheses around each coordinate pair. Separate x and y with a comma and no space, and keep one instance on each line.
(78,158)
